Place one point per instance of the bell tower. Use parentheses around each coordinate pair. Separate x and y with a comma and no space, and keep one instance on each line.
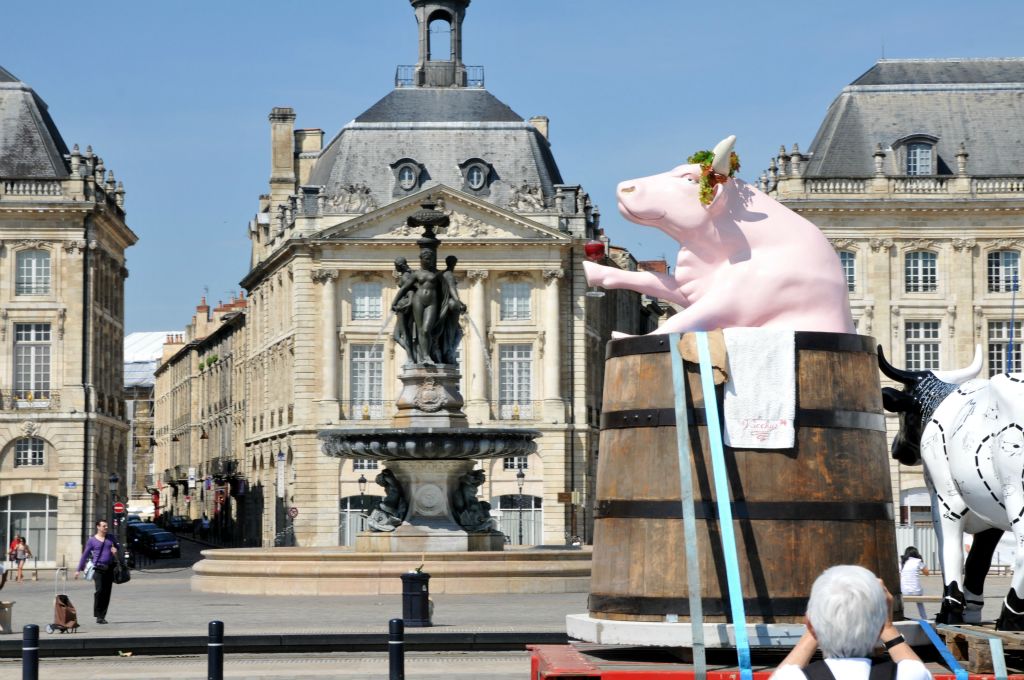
(440,65)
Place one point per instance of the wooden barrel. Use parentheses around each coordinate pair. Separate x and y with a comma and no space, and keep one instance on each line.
(796,512)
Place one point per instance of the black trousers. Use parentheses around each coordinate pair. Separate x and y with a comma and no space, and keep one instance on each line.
(104,581)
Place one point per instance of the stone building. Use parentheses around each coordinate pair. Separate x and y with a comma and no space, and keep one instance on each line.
(915,176)
(142,354)
(62,272)
(318,351)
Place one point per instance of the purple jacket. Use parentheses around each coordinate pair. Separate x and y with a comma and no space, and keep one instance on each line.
(94,546)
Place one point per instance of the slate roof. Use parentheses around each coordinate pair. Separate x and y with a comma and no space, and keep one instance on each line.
(979,102)
(437,105)
(142,353)
(30,144)
(439,128)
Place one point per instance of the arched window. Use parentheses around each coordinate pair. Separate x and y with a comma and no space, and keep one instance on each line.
(1003,271)
(29,452)
(33,273)
(352,514)
(920,272)
(848,260)
(439,32)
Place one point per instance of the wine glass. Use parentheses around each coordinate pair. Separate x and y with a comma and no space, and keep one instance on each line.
(594,251)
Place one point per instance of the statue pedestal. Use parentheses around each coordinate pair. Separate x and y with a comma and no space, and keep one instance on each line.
(430,397)
(430,524)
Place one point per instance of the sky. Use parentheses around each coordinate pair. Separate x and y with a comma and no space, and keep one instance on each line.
(175,95)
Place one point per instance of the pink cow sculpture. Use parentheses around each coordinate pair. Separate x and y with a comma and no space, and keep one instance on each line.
(745,260)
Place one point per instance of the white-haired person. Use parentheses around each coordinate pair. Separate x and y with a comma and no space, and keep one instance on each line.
(849,613)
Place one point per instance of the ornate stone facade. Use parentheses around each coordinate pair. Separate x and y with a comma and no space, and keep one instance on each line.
(929,227)
(62,270)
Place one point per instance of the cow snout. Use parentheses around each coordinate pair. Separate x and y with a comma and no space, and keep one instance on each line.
(627,190)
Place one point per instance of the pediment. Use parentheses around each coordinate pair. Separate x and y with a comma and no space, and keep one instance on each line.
(472,219)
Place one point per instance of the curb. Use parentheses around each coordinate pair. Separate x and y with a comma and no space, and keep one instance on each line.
(70,645)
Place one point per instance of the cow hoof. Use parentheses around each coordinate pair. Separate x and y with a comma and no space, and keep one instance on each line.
(972,616)
(950,618)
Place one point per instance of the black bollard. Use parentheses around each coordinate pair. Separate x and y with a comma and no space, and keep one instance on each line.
(396,650)
(30,652)
(215,652)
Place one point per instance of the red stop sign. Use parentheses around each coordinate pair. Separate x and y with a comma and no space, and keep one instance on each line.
(119,508)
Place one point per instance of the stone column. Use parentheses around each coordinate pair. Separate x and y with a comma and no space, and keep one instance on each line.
(476,381)
(329,344)
(554,407)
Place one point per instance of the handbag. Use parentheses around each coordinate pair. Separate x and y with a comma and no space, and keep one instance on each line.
(90,570)
(121,572)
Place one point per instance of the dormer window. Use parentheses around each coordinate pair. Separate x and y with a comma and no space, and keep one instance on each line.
(917,156)
(409,175)
(919,159)
(476,176)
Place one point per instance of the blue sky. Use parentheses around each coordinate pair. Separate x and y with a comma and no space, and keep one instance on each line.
(175,95)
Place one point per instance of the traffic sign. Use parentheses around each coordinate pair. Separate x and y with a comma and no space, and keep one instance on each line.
(293,512)
(119,508)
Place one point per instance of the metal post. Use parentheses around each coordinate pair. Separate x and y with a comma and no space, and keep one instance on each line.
(519,502)
(396,649)
(30,652)
(215,652)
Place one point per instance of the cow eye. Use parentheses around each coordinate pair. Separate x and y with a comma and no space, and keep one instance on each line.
(690,179)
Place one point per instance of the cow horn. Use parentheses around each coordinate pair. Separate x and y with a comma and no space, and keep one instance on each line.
(723,152)
(962,375)
(893,373)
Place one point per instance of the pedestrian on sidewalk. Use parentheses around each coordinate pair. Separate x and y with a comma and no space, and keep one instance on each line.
(102,549)
(911,568)
(848,614)
(10,550)
(21,555)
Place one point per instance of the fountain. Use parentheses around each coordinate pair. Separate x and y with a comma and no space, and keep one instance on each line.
(430,452)
(430,514)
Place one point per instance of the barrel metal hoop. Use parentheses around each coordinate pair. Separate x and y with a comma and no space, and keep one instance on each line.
(804,340)
(811,511)
(805,417)
(641,605)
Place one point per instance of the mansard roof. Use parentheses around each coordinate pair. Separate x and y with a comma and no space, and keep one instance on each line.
(977,102)
(440,129)
(30,144)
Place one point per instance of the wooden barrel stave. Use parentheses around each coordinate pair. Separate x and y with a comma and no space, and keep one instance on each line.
(784,501)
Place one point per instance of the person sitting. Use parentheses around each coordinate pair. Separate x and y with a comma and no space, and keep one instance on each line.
(848,612)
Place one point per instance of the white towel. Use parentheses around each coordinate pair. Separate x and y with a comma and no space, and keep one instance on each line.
(760,394)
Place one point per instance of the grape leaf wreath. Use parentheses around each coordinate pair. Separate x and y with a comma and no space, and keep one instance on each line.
(708,177)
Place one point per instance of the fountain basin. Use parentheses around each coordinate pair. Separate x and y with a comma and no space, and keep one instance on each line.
(428,443)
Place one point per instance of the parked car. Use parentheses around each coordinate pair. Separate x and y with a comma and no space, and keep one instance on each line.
(135,531)
(132,519)
(160,544)
(179,523)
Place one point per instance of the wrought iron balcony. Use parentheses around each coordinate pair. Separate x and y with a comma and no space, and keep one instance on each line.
(439,74)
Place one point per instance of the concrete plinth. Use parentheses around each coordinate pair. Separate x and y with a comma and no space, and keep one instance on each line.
(339,571)
(413,539)
(430,397)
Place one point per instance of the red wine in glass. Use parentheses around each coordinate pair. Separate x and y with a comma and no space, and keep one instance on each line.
(594,251)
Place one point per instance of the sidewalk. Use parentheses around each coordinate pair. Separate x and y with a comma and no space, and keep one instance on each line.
(157,612)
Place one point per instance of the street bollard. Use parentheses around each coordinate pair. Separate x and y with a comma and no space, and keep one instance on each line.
(215,652)
(396,649)
(30,652)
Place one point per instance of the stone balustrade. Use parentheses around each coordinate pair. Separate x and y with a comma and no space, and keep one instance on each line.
(31,188)
(931,186)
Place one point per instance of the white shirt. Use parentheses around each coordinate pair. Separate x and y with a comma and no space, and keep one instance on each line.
(856,669)
(910,581)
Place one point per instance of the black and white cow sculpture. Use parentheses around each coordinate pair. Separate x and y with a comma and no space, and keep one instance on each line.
(969,433)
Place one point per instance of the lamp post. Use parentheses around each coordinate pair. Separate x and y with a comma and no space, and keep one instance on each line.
(113,483)
(520,480)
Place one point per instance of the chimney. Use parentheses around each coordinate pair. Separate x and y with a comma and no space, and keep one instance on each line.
(282,154)
(541,123)
(308,143)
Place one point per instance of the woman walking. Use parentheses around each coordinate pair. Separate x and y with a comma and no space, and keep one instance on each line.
(911,568)
(21,555)
(102,550)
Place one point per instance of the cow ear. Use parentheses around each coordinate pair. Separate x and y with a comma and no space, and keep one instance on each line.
(896,401)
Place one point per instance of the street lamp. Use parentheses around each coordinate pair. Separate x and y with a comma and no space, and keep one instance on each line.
(362,491)
(114,481)
(520,480)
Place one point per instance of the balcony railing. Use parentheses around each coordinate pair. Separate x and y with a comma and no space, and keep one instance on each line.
(371,409)
(932,185)
(31,188)
(519,410)
(439,74)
